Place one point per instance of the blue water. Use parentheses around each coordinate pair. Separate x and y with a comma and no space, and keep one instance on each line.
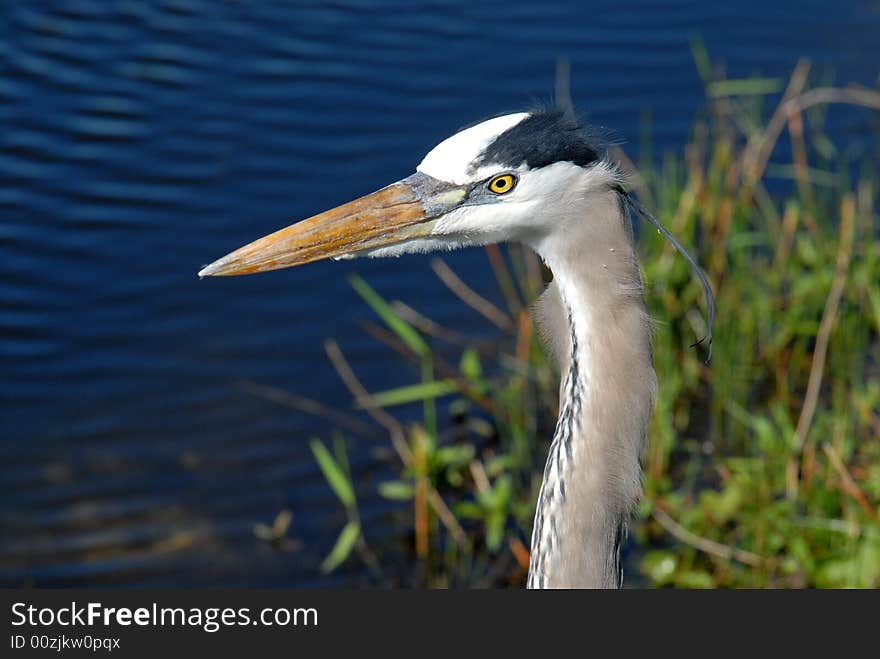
(141,140)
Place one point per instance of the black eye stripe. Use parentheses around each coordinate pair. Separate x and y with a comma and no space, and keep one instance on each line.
(541,139)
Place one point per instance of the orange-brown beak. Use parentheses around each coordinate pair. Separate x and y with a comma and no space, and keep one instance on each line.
(402,211)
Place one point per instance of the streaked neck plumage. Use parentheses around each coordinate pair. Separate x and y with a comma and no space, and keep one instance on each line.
(594,319)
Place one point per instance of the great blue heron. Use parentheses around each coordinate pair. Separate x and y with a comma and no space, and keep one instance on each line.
(536,178)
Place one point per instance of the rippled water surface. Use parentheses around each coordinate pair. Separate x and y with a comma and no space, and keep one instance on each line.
(140,140)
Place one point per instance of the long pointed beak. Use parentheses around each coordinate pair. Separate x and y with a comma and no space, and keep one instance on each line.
(398,212)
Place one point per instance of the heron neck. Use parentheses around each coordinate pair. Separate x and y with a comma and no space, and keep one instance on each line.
(594,314)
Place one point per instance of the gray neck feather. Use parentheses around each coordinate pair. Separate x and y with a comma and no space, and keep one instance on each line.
(594,319)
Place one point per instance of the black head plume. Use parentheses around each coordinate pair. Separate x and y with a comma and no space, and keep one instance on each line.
(707,289)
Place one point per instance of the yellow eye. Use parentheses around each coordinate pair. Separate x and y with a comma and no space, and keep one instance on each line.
(502,184)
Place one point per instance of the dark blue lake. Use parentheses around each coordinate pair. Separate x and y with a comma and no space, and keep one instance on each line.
(141,140)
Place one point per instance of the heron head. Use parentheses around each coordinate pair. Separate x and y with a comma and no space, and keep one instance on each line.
(505,179)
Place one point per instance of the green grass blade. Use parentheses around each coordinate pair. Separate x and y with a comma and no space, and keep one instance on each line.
(701,58)
(407,333)
(334,474)
(344,544)
(396,490)
(415,392)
